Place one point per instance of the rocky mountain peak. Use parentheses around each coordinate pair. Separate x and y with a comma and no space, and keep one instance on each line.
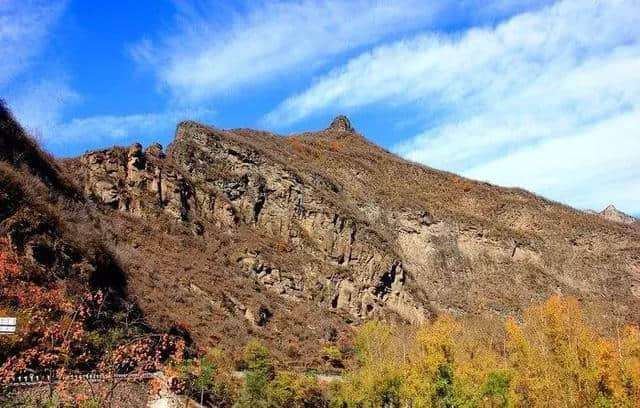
(613,214)
(340,235)
(341,123)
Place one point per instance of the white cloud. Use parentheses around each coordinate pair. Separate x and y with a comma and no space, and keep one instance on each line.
(588,168)
(41,108)
(551,89)
(120,127)
(24,29)
(40,105)
(206,57)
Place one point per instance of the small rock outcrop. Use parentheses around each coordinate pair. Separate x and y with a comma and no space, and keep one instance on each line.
(341,123)
(135,181)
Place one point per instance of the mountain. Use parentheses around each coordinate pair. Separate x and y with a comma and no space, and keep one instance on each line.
(613,214)
(229,235)
(329,219)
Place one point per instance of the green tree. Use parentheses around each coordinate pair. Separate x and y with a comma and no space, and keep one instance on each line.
(258,375)
(207,379)
(292,390)
(206,375)
(378,380)
(495,390)
(447,391)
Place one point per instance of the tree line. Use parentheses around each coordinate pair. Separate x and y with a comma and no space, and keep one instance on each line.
(553,357)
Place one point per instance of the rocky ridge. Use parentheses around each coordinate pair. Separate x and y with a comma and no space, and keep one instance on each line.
(229,185)
(329,219)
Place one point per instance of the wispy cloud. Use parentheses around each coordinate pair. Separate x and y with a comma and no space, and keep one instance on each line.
(41,107)
(589,168)
(205,56)
(24,29)
(118,128)
(496,101)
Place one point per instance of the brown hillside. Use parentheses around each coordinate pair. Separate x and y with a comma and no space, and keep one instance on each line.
(234,234)
(330,220)
(58,276)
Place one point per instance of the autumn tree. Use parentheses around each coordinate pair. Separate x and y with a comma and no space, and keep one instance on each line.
(554,357)
(64,325)
(558,359)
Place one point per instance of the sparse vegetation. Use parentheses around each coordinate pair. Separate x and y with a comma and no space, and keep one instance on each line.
(207,379)
(64,328)
(333,355)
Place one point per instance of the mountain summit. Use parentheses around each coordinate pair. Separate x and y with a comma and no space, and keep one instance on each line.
(613,214)
(341,122)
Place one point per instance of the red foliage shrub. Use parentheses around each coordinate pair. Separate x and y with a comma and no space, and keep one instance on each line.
(53,330)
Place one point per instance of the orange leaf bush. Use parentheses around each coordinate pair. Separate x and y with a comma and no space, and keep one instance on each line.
(63,327)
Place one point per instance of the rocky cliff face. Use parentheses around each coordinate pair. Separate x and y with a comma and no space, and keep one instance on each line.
(207,178)
(329,220)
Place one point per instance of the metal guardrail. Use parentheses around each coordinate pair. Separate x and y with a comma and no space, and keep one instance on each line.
(46,379)
(38,380)
(8,325)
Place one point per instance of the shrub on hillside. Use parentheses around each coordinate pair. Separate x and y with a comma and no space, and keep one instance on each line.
(333,355)
(65,327)
(207,379)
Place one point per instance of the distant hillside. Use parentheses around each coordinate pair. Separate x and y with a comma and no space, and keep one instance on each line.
(613,214)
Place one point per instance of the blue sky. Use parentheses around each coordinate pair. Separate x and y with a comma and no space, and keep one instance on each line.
(544,95)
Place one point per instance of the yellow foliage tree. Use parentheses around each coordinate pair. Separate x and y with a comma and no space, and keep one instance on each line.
(553,358)
(559,359)
(377,380)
